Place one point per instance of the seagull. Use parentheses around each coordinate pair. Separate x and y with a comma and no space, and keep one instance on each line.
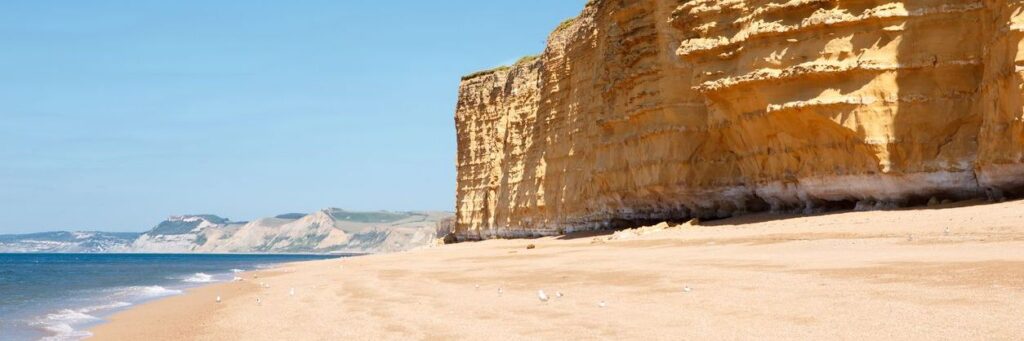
(265,285)
(559,294)
(602,304)
(500,291)
(687,289)
(259,301)
(542,296)
(947,231)
(218,299)
(291,292)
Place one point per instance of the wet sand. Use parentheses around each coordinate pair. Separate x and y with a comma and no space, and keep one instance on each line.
(852,275)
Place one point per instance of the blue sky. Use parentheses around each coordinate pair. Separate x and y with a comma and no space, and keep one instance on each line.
(116,114)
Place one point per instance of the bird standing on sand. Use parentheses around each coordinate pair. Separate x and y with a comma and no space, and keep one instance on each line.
(947,231)
(542,296)
(559,294)
(500,291)
(602,304)
(687,289)
(218,299)
(259,301)
(291,292)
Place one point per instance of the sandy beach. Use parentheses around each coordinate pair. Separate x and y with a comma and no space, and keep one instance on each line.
(944,273)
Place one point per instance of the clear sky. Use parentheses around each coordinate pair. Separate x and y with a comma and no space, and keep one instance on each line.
(116,114)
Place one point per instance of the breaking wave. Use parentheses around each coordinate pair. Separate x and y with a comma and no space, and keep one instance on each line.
(198,277)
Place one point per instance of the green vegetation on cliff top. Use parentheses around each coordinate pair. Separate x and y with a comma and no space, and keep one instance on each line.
(561,26)
(524,60)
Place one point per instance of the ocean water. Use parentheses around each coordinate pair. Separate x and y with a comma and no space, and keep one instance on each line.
(59,296)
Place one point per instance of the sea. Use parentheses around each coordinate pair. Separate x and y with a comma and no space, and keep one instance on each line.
(60,296)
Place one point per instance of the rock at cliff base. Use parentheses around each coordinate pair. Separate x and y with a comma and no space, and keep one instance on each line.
(646,230)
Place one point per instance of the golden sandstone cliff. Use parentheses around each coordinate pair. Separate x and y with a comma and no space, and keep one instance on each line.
(651,110)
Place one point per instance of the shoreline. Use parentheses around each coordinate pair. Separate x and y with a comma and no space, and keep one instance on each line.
(200,299)
(952,272)
(74,293)
(336,255)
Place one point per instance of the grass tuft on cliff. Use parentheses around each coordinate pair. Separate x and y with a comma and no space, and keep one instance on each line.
(486,72)
(524,60)
(565,24)
(527,59)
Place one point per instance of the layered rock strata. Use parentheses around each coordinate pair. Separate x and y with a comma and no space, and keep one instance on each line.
(648,110)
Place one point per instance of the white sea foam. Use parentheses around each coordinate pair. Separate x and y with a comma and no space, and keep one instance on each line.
(68,315)
(59,324)
(102,307)
(149,291)
(237,270)
(63,332)
(198,277)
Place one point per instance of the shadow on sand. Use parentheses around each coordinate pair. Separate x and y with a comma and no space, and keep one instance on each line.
(757,218)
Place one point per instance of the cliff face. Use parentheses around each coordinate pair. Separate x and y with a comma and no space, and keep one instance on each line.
(642,110)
